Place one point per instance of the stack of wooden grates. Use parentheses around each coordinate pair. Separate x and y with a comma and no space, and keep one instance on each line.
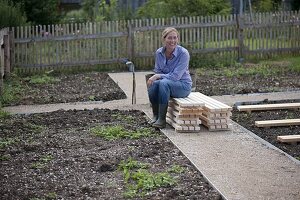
(186,114)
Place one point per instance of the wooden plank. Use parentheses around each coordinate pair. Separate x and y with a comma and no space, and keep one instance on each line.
(269,106)
(186,122)
(288,138)
(210,103)
(179,128)
(183,116)
(282,122)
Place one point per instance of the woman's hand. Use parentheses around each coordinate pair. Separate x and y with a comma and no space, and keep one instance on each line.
(152,79)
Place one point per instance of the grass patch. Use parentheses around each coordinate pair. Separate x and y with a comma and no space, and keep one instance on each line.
(118,132)
(139,180)
(12,90)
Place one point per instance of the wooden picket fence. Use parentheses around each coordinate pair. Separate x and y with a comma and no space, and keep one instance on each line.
(230,38)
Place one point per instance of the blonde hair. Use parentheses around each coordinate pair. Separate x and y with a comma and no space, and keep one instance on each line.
(167,31)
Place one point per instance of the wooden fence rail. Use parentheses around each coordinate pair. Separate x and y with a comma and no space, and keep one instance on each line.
(232,37)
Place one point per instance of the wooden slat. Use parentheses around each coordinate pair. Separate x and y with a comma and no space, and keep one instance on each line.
(288,138)
(283,122)
(178,128)
(269,106)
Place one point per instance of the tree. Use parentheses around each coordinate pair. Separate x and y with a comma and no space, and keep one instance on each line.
(99,10)
(11,14)
(183,8)
(42,12)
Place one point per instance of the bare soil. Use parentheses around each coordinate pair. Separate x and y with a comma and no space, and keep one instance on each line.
(55,156)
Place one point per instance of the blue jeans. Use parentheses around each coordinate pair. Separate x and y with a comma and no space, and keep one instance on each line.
(161,91)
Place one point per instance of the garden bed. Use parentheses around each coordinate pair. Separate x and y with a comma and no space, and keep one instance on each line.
(64,155)
(56,155)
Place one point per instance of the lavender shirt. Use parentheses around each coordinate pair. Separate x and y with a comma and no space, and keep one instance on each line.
(176,68)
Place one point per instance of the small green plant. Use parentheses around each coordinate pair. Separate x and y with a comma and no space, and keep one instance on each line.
(92,98)
(127,118)
(117,132)
(12,91)
(176,169)
(4,157)
(139,179)
(4,114)
(51,195)
(42,162)
(5,142)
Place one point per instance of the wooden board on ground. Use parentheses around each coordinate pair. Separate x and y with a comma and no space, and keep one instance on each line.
(278,106)
(282,122)
(289,138)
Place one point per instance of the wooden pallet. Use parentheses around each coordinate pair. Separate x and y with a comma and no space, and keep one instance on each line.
(289,138)
(282,122)
(279,106)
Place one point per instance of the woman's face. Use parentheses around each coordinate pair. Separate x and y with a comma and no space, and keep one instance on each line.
(171,40)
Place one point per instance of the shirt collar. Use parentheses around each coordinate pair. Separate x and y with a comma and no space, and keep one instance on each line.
(175,52)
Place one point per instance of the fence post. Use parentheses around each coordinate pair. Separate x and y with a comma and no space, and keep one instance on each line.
(240,32)
(11,50)
(6,56)
(130,42)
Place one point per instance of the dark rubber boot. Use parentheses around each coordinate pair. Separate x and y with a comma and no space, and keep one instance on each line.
(155,113)
(162,112)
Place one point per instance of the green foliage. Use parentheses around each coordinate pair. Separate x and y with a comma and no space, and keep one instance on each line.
(5,142)
(4,114)
(42,12)
(117,132)
(51,195)
(183,8)
(12,90)
(295,63)
(126,118)
(11,14)
(99,10)
(5,157)
(139,179)
(176,169)
(75,16)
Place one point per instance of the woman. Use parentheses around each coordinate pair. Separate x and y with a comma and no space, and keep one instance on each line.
(171,78)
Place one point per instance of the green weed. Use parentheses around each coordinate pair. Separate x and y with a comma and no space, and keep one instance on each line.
(127,118)
(4,114)
(4,157)
(42,79)
(5,142)
(92,98)
(176,169)
(12,91)
(139,179)
(117,132)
